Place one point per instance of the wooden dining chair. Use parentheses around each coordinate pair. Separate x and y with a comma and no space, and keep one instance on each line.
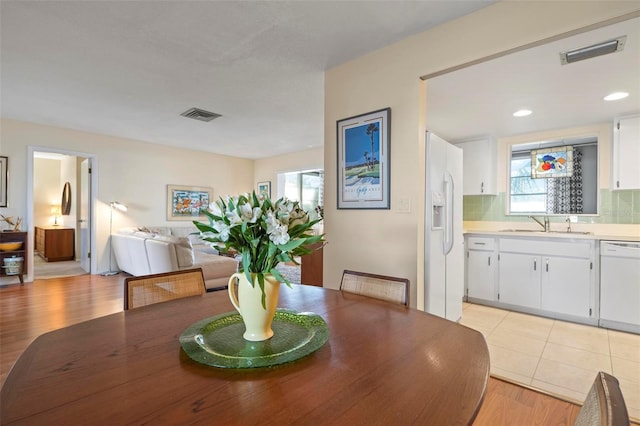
(148,289)
(604,404)
(382,287)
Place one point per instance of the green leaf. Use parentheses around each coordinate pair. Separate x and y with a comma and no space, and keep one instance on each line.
(314,239)
(264,296)
(246,264)
(204,227)
(291,245)
(284,257)
(279,277)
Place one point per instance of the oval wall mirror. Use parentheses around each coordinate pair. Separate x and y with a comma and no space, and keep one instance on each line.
(66,199)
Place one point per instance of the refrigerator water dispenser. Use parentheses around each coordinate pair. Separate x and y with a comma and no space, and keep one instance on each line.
(438,210)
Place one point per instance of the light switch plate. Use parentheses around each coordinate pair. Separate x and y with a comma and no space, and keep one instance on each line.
(404,205)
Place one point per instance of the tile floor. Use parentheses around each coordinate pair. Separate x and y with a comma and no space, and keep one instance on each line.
(558,357)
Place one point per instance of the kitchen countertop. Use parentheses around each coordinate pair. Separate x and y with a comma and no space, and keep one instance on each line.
(553,234)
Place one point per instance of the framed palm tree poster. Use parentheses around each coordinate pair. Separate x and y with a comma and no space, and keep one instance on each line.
(363,160)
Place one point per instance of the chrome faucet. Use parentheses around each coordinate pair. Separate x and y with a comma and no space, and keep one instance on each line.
(544,224)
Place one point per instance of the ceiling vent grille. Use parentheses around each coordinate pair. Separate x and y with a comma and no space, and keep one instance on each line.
(610,46)
(200,114)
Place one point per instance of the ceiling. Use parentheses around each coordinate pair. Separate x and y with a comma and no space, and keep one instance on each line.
(129,68)
(479,101)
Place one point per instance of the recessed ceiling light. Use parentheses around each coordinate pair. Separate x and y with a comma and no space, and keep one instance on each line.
(616,96)
(522,113)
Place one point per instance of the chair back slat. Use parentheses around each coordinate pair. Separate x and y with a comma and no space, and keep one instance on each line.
(604,404)
(148,289)
(378,286)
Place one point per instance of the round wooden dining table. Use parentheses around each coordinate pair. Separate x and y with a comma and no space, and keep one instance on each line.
(382,364)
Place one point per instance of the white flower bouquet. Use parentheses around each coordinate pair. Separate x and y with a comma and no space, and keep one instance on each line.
(262,232)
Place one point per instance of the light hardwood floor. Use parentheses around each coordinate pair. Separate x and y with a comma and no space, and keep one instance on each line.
(44,305)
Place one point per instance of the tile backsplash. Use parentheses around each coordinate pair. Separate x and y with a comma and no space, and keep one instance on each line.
(616,207)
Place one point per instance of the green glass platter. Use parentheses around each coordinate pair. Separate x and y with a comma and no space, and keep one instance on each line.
(218,341)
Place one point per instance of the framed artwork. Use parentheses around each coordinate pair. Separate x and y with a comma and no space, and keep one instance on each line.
(363,160)
(4,162)
(187,202)
(265,187)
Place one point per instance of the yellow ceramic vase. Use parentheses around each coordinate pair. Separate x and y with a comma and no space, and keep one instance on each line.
(248,302)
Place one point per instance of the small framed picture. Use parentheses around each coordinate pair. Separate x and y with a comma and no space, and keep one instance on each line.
(264,188)
(187,202)
(363,160)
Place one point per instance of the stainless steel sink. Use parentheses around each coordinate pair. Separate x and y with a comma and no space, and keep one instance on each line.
(521,230)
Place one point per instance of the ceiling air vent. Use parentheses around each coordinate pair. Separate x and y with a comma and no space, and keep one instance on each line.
(592,51)
(200,114)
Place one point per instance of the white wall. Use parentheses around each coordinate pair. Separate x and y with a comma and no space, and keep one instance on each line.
(133,172)
(393,243)
(46,190)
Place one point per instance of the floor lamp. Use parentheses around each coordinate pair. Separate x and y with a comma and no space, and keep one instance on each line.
(121,207)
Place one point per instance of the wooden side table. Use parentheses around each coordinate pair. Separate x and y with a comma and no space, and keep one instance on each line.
(55,243)
(311,266)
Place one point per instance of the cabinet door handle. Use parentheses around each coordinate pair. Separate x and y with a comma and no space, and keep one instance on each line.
(482,187)
(535,264)
(547,265)
(489,261)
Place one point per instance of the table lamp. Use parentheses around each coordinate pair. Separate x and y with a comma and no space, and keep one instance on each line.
(121,207)
(55,212)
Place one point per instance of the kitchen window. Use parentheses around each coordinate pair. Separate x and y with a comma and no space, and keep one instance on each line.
(527,195)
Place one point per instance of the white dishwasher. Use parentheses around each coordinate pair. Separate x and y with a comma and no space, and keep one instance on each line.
(620,285)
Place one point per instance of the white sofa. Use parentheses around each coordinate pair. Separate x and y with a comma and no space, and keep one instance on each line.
(154,250)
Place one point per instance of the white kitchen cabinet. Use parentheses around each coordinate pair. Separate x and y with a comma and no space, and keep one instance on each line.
(626,152)
(481,268)
(519,279)
(480,167)
(564,286)
(554,277)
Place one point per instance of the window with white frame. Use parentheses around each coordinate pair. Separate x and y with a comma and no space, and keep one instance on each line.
(527,195)
(307,188)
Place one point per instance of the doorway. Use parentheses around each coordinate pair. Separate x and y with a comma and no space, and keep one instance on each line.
(306,187)
(60,214)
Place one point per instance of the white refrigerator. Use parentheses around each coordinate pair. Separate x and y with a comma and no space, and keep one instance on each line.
(444,243)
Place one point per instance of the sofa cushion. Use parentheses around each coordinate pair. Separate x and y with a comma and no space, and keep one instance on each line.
(205,248)
(143,235)
(184,249)
(131,254)
(190,232)
(214,266)
(155,230)
(162,255)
